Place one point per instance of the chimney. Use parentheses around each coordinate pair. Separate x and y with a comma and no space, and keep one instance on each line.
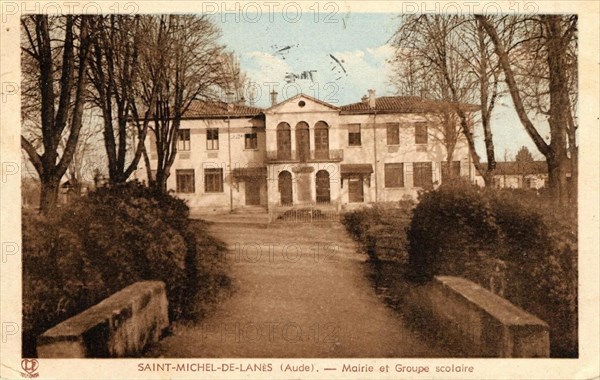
(273,98)
(372,99)
(364,98)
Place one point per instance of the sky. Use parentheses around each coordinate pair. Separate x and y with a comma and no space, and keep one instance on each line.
(335,58)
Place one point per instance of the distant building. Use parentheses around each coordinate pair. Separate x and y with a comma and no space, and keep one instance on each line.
(304,151)
(518,175)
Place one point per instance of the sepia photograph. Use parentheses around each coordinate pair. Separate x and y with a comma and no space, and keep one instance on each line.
(228,189)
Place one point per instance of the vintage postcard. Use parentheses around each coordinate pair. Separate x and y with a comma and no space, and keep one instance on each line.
(300,189)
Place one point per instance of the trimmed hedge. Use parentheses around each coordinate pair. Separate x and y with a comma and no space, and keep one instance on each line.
(106,241)
(381,229)
(514,237)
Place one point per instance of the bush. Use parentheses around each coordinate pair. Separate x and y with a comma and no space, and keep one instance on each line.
(381,229)
(108,240)
(451,229)
(467,231)
(59,278)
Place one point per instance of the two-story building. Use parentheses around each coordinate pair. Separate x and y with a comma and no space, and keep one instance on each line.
(303,151)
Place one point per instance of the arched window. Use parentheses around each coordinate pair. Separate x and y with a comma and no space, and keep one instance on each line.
(321,140)
(284,141)
(285,187)
(302,142)
(323,187)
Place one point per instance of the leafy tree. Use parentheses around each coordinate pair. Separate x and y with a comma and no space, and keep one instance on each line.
(524,155)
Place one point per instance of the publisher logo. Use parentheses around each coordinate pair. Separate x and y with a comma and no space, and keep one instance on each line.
(30,367)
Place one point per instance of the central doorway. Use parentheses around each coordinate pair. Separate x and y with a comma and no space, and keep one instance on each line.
(322,185)
(285,188)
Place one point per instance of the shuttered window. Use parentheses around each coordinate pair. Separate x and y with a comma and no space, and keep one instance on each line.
(212,139)
(183,142)
(354,135)
(251,139)
(422,174)
(185,180)
(420,133)
(450,171)
(394,175)
(213,180)
(393,133)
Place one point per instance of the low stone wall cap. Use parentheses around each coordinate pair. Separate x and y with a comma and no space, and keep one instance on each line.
(496,306)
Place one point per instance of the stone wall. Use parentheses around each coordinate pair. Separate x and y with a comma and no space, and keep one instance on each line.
(479,322)
(122,325)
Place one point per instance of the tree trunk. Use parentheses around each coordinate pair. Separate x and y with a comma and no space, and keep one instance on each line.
(161,180)
(49,195)
(557,178)
(559,110)
(488,178)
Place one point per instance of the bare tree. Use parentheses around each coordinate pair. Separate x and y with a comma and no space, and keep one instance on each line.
(237,80)
(115,77)
(541,71)
(450,58)
(57,49)
(182,62)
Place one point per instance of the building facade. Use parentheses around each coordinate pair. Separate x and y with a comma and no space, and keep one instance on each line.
(305,152)
(518,175)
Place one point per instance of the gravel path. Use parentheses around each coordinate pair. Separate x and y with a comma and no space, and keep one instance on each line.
(300,291)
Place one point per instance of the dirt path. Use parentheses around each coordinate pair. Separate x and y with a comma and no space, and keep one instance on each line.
(300,291)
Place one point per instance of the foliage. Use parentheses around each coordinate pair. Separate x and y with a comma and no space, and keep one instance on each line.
(524,155)
(110,239)
(466,231)
(381,229)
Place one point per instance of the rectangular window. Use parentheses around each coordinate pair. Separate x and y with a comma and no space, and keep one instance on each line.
(212,139)
(394,175)
(393,134)
(213,180)
(183,142)
(422,174)
(251,139)
(452,171)
(354,135)
(185,180)
(421,133)
(530,183)
(497,182)
(355,190)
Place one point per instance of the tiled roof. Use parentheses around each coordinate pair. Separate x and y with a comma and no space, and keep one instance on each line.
(404,104)
(521,168)
(201,108)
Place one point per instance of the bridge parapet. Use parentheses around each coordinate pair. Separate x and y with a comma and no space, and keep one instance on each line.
(121,325)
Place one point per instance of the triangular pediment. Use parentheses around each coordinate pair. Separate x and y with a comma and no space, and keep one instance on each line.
(301,103)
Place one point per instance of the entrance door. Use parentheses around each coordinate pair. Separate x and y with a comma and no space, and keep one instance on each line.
(355,190)
(322,184)
(302,142)
(285,188)
(252,192)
